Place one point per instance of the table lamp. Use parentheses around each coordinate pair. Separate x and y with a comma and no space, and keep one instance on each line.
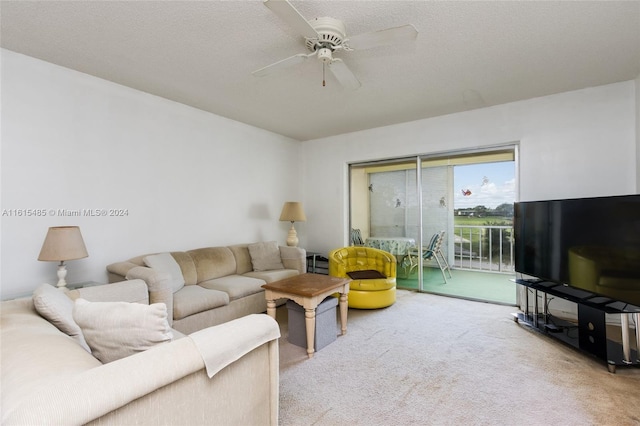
(292,212)
(63,243)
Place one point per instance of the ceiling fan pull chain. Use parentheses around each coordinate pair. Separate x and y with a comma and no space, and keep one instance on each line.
(324,66)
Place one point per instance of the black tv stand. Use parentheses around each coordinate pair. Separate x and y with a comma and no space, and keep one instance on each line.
(589,334)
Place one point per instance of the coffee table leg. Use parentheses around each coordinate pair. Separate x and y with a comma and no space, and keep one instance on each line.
(344,308)
(271,308)
(310,322)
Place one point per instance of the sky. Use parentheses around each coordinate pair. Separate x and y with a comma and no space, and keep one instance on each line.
(489,184)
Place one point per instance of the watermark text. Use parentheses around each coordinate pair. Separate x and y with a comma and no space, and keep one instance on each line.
(65,212)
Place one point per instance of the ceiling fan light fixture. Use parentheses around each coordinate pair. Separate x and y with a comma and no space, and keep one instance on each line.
(324,54)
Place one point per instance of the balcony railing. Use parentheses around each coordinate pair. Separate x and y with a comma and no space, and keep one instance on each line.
(483,248)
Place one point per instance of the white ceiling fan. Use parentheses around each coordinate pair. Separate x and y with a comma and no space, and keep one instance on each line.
(325,36)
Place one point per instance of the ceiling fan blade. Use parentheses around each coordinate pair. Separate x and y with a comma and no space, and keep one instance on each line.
(285,63)
(383,37)
(343,74)
(291,16)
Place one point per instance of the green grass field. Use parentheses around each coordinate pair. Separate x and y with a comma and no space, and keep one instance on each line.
(481,221)
(475,235)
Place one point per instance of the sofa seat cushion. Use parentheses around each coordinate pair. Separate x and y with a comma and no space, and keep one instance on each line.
(192,299)
(236,286)
(274,275)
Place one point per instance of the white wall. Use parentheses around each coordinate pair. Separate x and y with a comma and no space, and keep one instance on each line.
(574,144)
(190,179)
(187,178)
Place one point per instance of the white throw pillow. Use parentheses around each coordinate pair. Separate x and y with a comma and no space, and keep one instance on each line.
(164,262)
(265,256)
(57,308)
(116,330)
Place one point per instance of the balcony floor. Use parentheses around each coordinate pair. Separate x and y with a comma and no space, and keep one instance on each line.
(465,284)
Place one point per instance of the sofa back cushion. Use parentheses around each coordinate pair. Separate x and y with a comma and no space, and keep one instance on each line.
(213,262)
(183,259)
(265,256)
(243,258)
(116,330)
(57,308)
(188,268)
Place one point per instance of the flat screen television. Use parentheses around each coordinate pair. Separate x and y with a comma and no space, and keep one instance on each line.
(591,245)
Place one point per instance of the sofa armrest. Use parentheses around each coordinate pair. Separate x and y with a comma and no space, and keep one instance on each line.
(154,386)
(97,391)
(221,345)
(159,284)
(294,258)
(134,291)
(118,271)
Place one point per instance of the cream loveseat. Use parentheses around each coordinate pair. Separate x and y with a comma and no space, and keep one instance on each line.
(212,285)
(227,374)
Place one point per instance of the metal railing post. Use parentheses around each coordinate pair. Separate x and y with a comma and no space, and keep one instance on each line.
(476,261)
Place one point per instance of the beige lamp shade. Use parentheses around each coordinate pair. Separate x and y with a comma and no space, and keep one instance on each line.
(63,243)
(292,212)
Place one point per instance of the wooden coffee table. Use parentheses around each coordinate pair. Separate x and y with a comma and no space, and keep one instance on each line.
(308,290)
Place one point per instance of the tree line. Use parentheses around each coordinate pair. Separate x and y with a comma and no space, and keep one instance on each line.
(503,210)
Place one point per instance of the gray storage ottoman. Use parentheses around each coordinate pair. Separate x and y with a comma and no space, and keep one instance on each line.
(326,329)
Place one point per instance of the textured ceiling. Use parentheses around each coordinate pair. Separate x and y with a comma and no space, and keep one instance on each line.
(201,53)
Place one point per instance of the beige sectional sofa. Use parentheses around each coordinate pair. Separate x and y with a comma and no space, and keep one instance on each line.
(211,285)
(227,374)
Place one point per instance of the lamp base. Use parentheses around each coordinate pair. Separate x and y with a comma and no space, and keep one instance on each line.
(62,274)
(292,237)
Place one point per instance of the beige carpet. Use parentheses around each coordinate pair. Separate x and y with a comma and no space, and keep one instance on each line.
(433,360)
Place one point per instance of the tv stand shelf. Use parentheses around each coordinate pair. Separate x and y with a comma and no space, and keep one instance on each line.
(589,334)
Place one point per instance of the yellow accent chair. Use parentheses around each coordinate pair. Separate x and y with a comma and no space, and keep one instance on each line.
(372,272)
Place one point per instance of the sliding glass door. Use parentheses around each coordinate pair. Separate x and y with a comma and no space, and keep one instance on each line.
(385,207)
(437,219)
(402,205)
